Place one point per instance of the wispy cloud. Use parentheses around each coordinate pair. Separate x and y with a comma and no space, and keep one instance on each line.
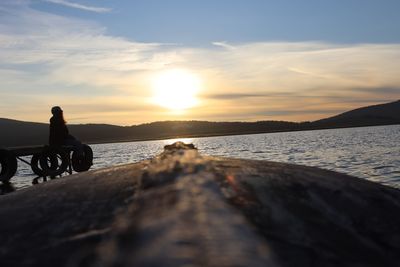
(79,6)
(223,45)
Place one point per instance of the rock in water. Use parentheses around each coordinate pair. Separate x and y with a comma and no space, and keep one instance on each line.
(184,209)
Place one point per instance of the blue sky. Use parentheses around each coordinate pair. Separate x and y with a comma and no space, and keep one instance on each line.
(255,60)
(203,22)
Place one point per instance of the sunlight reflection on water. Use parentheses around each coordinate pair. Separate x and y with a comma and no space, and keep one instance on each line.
(369,152)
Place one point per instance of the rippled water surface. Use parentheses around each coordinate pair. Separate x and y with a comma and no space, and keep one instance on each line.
(369,152)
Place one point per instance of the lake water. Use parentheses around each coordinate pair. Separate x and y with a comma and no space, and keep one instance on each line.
(372,153)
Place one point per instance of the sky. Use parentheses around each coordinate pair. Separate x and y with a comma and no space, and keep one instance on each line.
(128,62)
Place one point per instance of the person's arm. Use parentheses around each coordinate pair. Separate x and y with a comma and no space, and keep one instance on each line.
(51,133)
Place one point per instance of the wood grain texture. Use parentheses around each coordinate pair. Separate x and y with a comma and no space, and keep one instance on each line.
(184,209)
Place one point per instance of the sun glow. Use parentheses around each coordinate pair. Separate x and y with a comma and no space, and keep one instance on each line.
(176,89)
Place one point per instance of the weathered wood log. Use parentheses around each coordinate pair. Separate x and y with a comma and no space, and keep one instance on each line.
(184,209)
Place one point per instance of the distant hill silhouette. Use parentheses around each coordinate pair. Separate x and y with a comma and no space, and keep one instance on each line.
(20,133)
(382,114)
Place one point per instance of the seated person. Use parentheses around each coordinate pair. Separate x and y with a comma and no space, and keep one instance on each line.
(59,134)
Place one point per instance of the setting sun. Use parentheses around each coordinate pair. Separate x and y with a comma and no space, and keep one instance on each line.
(176,89)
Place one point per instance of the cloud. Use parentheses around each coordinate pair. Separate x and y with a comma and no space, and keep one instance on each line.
(223,45)
(240,96)
(385,90)
(273,76)
(79,6)
(70,51)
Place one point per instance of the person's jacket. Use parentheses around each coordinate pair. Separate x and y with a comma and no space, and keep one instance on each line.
(58,132)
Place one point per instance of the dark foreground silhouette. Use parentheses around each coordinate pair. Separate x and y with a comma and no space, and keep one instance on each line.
(6,188)
(63,154)
(45,161)
(184,209)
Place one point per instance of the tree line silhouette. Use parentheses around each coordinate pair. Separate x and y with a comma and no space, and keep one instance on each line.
(18,133)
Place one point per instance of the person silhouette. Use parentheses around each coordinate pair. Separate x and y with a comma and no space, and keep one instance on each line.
(59,134)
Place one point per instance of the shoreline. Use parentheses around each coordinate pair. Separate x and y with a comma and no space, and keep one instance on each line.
(227,134)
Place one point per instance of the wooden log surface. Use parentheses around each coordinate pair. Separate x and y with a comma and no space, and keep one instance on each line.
(184,209)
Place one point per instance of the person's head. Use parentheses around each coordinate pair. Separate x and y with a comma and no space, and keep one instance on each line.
(57,112)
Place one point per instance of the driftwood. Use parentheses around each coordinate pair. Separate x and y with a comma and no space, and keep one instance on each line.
(184,209)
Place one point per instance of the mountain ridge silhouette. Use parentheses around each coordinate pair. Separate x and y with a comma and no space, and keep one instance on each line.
(21,133)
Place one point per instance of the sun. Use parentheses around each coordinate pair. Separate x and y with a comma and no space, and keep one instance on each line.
(176,89)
